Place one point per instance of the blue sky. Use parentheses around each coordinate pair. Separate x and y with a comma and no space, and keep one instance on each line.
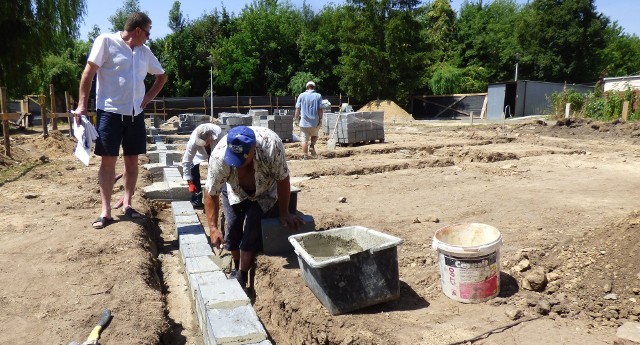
(625,12)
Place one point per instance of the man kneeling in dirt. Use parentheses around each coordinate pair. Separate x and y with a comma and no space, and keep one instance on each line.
(249,167)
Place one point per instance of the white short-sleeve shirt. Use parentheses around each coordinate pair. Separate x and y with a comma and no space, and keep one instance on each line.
(120,86)
(194,154)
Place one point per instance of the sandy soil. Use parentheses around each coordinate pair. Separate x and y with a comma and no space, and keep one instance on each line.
(560,193)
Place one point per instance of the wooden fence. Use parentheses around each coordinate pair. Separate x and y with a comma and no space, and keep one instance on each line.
(20,118)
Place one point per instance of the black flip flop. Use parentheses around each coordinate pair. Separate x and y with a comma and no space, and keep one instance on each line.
(104,222)
(130,213)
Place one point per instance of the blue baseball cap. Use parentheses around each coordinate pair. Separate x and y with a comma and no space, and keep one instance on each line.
(240,141)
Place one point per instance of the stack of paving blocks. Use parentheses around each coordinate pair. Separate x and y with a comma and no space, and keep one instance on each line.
(289,112)
(281,124)
(155,121)
(258,112)
(355,127)
(235,119)
(173,187)
(162,156)
(189,121)
(226,121)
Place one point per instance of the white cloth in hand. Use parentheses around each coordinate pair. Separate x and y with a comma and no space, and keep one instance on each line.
(86,134)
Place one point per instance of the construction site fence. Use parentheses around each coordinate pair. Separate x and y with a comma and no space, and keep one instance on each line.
(173,106)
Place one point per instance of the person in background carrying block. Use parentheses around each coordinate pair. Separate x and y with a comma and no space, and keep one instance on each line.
(249,168)
(309,113)
(203,139)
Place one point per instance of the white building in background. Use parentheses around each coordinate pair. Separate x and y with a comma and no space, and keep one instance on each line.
(622,83)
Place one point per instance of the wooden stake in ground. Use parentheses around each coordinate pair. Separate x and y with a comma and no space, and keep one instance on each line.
(24,113)
(54,119)
(5,123)
(43,114)
(68,104)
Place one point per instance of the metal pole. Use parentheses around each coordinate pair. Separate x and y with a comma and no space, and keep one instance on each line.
(517,60)
(211,90)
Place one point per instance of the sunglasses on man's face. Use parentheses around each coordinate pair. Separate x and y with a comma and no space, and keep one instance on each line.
(145,31)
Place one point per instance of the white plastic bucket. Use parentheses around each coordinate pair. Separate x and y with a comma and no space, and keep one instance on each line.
(469,261)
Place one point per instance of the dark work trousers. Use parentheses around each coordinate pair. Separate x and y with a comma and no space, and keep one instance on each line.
(243,223)
(196,197)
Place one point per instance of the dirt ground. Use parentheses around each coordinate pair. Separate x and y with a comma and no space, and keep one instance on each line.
(560,193)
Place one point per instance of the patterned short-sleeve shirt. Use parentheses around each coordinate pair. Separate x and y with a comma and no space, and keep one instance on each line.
(269,163)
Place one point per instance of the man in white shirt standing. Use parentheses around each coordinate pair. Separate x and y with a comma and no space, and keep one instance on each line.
(121,60)
(202,140)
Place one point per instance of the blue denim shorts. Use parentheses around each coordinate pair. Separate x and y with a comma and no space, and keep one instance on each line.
(115,130)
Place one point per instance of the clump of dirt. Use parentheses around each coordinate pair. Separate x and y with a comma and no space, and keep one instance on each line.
(392,112)
(56,144)
(32,148)
(597,275)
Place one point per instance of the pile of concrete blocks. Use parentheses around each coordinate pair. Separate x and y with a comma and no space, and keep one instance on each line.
(155,121)
(162,156)
(173,187)
(258,112)
(281,124)
(235,119)
(189,121)
(289,112)
(355,127)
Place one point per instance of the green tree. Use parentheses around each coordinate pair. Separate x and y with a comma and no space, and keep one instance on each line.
(488,39)
(58,70)
(118,19)
(563,40)
(441,32)
(406,53)
(318,48)
(176,20)
(95,32)
(299,81)
(621,52)
(364,67)
(30,31)
(261,54)
(383,55)
(184,54)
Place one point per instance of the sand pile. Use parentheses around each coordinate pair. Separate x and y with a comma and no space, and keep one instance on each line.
(173,119)
(392,111)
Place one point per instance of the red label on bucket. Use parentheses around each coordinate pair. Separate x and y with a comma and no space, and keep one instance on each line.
(469,278)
